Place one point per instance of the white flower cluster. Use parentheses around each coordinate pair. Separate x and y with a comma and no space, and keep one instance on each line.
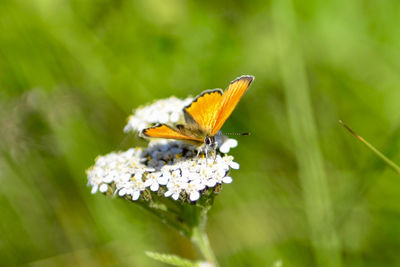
(167,110)
(169,168)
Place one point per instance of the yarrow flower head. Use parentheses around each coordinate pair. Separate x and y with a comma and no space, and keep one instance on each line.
(168,168)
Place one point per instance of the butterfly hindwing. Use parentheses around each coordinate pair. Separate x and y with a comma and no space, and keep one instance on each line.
(167,132)
(204,109)
(230,99)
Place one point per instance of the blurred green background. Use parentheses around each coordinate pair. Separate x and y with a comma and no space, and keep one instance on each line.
(307,192)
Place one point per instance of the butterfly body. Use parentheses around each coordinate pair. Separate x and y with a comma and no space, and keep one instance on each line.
(204,116)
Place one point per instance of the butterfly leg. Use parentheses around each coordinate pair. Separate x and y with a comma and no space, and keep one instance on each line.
(200,149)
(215,151)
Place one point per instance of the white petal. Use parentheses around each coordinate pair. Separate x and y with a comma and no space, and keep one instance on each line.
(174,117)
(109,178)
(225,167)
(138,174)
(122,192)
(154,187)
(227,180)
(163,180)
(148,182)
(211,182)
(168,193)
(234,165)
(127,128)
(200,186)
(112,164)
(163,118)
(232,142)
(103,188)
(125,176)
(101,162)
(185,173)
(135,195)
(175,196)
(141,126)
(176,173)
(182,184)
(224,148)
(194,196)
(99,172)
(220,172)
(94,189)
(140,186)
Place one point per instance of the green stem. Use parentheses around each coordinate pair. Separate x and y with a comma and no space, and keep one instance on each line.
(165,219)
(393,165)
(200,239)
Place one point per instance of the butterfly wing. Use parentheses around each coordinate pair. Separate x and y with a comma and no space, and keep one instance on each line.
(167,132)
(204,109)
(230,99)
(205,115)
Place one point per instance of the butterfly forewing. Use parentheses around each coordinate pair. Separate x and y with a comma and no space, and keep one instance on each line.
(204,109)
(230,99)
(164,131)
(205,115)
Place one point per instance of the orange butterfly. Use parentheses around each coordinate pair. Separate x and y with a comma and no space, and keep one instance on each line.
(205,116)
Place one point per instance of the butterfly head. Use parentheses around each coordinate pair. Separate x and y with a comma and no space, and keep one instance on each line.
(209,140)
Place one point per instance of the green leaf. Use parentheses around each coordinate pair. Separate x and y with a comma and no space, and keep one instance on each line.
(171,259)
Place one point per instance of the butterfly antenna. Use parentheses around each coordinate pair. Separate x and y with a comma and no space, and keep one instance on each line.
(234,133)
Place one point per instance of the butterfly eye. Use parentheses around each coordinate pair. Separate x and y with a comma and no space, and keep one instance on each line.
(207,140)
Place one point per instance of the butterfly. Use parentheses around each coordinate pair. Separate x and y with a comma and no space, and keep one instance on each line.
(204,116)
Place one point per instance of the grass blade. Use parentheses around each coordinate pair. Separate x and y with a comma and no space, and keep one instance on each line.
(393,165)
(312,174)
